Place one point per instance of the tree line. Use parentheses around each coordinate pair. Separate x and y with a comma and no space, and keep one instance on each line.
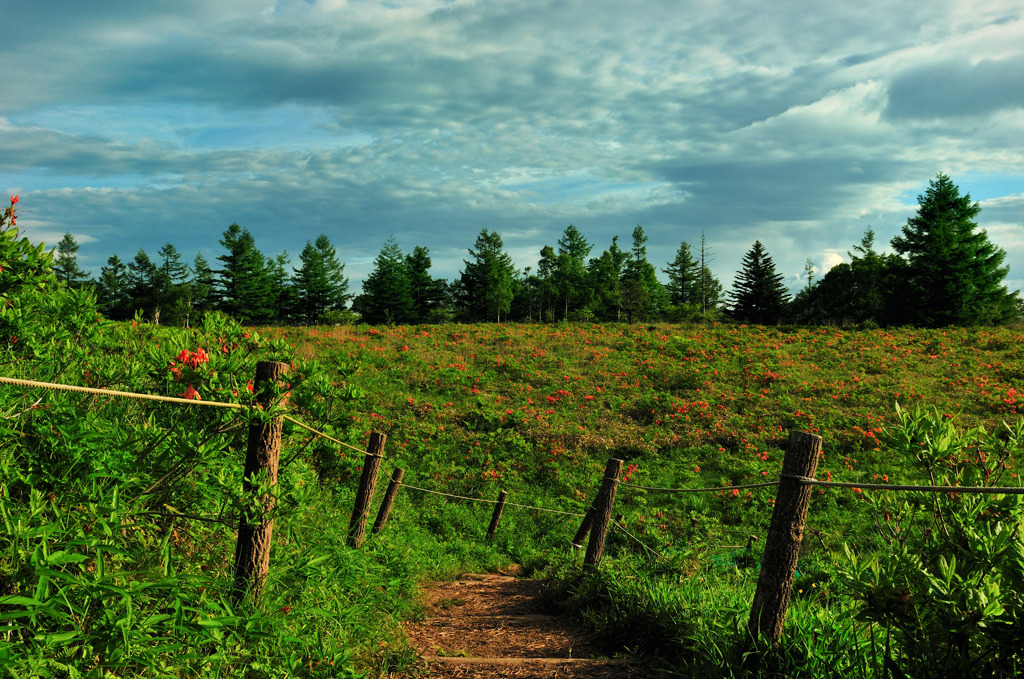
(943,271)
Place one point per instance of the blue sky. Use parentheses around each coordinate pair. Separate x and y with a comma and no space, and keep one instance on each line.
(800,124)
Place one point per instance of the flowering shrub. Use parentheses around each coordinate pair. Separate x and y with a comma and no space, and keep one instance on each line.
(949,587)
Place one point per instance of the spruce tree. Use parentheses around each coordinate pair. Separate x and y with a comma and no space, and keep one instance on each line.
(143,285)
(387,297)
(758,295)
(428,293)
(245,283)
(643,295)
(112,295)
(605,275)
(571,271)
(320,281)
(65,264)
(683,278)
(487,283)
(955,273)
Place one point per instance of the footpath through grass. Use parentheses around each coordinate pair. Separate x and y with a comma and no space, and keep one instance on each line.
(119,516)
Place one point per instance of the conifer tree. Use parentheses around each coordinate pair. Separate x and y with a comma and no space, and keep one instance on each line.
(605,276)
(683,278)
(428,293)
(386,297)
(758,295)
(65,264)
(643,294)
(320,281)
(487,283)
(571,271)
(113,297)
(955,272)
(244,283)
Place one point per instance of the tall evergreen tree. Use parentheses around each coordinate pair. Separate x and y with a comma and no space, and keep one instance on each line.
(643,294)
(605,274)
(171,264)
(113,297)
(683,272)
(488,281)
(244,282)
(955,272)
(202,285)
(320,281)
(65,264)
(144,285)
(547,283)
(758,295)
(387,297)
(428,293)
(571,271)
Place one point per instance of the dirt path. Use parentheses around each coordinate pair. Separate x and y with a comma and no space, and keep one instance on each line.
(487,626)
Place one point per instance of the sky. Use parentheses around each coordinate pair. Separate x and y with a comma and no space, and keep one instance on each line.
(797,123)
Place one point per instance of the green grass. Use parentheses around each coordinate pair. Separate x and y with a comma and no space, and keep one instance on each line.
(99,578)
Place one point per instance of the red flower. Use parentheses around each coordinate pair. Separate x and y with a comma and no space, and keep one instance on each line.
(14,200)
(191,394)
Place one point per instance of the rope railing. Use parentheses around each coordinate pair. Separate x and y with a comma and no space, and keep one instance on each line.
(120,394)
(486,501)
(806,481)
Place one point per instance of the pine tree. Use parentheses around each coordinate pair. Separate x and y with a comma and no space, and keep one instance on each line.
(244,284)
(758,295)
(387,297)
(547,283)
(65,264)
(955,272)
(605,276)
(683,278)
(487,283)
(428,293)
(202,286)
(112,294)
(320,281)
(643,294)
(570,277)
(143,285)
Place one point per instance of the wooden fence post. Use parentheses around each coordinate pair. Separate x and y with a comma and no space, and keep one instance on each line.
(785,534)
(602,514)
(364,496)
(588,521)
(389,499)
(263,451)
(496,516)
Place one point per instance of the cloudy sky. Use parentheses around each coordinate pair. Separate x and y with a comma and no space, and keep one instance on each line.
(800,123)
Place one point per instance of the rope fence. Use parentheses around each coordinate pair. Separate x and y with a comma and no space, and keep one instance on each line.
(782,544)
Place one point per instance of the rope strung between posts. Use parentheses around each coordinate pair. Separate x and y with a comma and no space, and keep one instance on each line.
(619,527)
(805,481)
(323,435)
(153,397)
(486,501)
(111,392)
(970,490)
(767,484)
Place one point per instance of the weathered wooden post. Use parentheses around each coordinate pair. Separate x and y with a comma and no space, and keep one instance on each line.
(588,520)
(263,451)
(785,534)
(389,499)
(602,514)
(364,496)
(496,516)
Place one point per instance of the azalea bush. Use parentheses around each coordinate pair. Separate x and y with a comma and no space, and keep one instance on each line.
(945,596)
(119,514)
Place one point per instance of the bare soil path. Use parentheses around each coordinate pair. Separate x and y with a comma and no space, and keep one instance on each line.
(488,626)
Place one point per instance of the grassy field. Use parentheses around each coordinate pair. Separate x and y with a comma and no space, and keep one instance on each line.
(120,515)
